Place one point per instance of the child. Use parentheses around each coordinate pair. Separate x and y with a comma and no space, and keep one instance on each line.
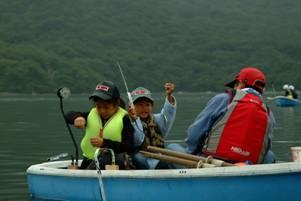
(153,128)
(107,125)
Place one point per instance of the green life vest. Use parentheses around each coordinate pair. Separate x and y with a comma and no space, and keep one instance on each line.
(112,130)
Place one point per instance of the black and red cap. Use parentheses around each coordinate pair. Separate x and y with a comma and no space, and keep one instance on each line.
(106,90)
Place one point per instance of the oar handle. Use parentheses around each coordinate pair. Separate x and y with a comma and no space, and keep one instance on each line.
(186,156)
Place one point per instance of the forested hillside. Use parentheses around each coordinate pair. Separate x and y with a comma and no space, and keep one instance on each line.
(197,44)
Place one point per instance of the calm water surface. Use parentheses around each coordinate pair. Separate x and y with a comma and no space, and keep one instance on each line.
(32,130)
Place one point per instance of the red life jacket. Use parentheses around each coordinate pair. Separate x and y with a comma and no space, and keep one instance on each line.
(241,134)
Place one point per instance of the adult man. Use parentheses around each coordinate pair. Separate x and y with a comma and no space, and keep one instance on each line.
(235,126)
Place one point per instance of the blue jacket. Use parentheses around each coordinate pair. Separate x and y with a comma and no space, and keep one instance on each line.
(214,111)
(164,119)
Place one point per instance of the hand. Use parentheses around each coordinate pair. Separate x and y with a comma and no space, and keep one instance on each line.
(80,122)
(132,113)
(97,141)
(169,88)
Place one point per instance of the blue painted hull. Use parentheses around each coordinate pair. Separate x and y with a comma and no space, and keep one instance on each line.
(259,182)
(283,101)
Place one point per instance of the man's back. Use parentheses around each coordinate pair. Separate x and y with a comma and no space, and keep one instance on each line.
(241,135)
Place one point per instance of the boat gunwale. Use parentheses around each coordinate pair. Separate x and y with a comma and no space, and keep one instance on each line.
(284,98)
(56,169)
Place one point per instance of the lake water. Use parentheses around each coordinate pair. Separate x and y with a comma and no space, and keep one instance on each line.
(32,130)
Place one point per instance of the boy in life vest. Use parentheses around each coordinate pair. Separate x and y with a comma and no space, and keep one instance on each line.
(151,129)
(235,126)
(106,125)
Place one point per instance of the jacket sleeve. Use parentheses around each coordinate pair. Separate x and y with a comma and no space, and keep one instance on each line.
(127,141)
(138,132)
(165,119)
(272,125)
(198,130)
(270,156)
(72,115)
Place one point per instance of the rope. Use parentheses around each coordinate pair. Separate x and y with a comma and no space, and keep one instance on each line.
(208,159)
(200,164)
(102,190)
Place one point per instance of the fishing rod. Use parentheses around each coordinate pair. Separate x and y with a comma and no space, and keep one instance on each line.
(64,93)
(57,157)
(126,87)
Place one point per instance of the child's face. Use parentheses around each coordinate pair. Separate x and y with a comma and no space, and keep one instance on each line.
(106,109)
(143,108)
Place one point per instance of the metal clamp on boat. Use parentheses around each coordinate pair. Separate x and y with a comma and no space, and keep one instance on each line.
(100,152)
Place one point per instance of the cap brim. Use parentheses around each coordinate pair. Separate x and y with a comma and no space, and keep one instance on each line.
(142,97)
(101,96)
(230,84)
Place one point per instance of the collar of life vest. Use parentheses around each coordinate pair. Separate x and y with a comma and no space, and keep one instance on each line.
(251,90)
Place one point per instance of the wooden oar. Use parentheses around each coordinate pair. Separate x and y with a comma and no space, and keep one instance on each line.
(170,159)
(215,162)
(176,160)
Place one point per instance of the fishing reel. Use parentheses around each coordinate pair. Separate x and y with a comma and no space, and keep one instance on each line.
(63,92)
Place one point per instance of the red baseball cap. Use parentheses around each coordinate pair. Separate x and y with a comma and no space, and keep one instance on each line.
(251,77)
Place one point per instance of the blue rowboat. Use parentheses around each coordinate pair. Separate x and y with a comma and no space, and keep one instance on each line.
(283,101)
(268,182)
